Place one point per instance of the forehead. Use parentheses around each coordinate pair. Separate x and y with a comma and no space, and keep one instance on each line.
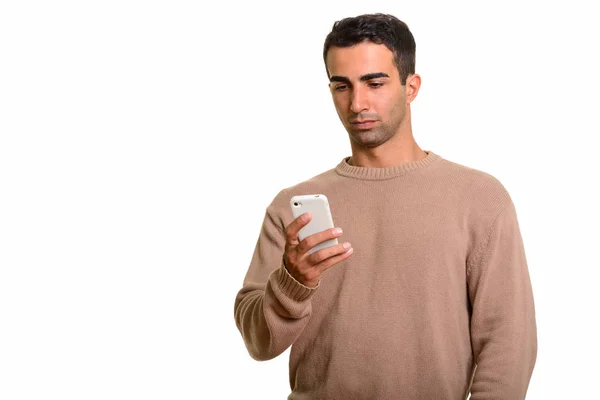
(360,59)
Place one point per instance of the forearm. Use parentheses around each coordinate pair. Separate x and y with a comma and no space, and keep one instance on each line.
(505,360)
(271,319)
(503,326)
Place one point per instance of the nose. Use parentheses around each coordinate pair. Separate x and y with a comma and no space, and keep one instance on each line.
(359,100)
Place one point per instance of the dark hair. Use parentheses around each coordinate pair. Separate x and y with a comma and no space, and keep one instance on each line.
(380,29)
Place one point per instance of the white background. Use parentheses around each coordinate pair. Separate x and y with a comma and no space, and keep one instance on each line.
(140,143)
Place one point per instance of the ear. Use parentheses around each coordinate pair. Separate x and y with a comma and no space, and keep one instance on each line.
(413,84)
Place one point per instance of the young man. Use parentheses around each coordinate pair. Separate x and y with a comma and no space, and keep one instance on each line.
(428,296)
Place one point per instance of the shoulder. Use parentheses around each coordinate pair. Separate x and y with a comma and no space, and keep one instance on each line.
(481,195)
(477,185)
(318,184)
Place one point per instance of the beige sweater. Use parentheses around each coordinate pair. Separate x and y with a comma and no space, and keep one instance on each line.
(438,282)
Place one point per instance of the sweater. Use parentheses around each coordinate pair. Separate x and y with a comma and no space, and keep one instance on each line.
(435,302)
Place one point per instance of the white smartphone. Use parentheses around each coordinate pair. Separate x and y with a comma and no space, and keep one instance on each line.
(318,207)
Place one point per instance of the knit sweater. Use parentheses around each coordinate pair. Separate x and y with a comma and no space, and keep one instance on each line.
(435,301)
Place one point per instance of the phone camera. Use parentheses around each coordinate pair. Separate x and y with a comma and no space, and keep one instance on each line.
(296,204)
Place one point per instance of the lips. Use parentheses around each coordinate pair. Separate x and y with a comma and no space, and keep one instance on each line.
(363,121)
(366,124)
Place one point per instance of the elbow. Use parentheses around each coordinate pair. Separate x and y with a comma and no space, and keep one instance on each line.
(260,354)
(260,346)
(253,327)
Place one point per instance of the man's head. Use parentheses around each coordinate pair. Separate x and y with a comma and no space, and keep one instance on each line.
(379,29)
(370,62)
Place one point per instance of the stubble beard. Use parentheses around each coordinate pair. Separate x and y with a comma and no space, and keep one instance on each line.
(377,136)
(373,137)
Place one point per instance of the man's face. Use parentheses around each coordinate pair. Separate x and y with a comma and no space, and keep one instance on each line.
(365,85)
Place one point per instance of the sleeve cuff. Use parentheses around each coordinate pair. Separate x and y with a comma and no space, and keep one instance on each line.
(291,287)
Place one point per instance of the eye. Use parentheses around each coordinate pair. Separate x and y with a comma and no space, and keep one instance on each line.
(339,88)
(376,84)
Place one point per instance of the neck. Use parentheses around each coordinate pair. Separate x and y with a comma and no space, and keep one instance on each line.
(401,148)
(388,154)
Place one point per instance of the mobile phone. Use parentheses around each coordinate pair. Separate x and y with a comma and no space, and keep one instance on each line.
(318,207)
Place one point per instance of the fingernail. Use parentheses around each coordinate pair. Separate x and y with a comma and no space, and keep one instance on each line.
(346,245)
(305,217)
(337,230)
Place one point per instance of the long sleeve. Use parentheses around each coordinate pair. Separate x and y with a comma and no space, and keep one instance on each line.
(272,308)
(503,326)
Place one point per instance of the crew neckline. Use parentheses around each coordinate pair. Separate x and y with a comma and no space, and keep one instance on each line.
(372,173)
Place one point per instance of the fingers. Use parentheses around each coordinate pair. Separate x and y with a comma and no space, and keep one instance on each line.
(311,241)
(311,274)
(308,268)
(320,256)
(291,231)
(341,253)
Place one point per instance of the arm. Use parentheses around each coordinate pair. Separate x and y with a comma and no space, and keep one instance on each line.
(272,308)
(503,327)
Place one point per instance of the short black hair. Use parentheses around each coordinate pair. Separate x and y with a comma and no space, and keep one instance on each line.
(380,29)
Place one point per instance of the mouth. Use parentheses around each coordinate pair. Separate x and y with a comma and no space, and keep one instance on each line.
(367,124)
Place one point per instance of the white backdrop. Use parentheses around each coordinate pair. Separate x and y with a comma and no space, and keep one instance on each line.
(140,143)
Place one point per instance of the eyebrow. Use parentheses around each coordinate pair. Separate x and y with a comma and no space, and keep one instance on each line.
(366,77)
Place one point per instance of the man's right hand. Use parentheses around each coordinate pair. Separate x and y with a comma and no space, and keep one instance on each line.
(307,268)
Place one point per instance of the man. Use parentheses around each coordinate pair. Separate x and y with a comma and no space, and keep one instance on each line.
(428,296)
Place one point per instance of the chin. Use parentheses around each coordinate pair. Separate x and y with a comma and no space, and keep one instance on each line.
(368,139)
(367,142)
